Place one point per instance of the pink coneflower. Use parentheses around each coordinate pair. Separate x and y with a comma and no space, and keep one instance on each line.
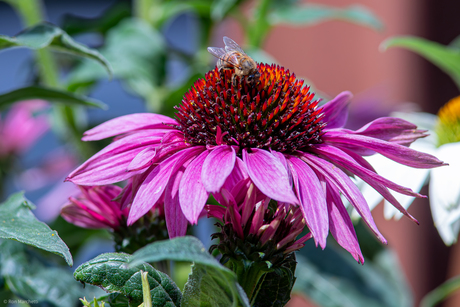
(99,207)
(94,207)
(293,151)
(20,129)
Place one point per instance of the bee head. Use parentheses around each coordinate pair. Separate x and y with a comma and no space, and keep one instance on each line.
(253,78)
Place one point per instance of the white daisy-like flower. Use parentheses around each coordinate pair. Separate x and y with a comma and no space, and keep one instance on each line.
(444,182)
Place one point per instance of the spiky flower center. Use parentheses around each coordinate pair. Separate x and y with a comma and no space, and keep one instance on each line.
(276,113)
(448,126)
(270,239)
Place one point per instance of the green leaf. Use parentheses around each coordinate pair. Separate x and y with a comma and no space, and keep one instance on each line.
(117,300)
(221,8)
(210,283)
(48,94)
(261,56)
(48,35)
(17,222)
(136,52)
(310,14)
(30,277)
(276,287)
(455,44)
(110,272)
(332,278)
(207,286)
(75,24)
(186,248)
(441,293)
(447,58)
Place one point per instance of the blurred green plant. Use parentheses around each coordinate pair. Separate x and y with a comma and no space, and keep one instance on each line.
(136,50)
(441,293)
(447,58)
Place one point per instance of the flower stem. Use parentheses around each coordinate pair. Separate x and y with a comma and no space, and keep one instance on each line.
(249,275)
(146,290)
(142,9)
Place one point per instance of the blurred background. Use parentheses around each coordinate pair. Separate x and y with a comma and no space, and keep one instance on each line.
(334,56)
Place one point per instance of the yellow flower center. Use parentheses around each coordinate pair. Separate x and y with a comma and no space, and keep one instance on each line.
(448,126)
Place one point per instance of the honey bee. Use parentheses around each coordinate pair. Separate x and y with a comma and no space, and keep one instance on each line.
(233,57)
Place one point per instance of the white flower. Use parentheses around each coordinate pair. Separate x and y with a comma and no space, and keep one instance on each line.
(444,182)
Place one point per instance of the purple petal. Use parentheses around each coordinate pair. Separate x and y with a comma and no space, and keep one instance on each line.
(391,129)
(192,194)
(312,199)
(269,175)
(155,183)
(395,152)
(167,150)
(175,219)
(283,160)
(111,163)
(217,167)
(342,159)
(335,176)
(376,181)
(128,123)
(82,218)
(126,196)
(170,143)
(336,111)
(341,225)
(238,174)
(143,159)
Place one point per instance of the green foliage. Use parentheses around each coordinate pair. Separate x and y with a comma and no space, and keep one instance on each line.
(136,52)
(48,94)
(186,248)
(117,300)
(447,58)
(74,24)
(48,35)
(210,283)
(221,8)
(261,56)
(332,278)
(310,14)
(29,277)
(76,237)
(17,222)
(441,293)
(275,289)
(110,272)
(211,286)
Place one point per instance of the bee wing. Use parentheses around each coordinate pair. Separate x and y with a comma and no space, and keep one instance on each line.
(220,53)
(231,45)
(217,52)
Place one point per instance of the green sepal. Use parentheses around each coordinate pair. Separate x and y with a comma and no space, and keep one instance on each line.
(276,286)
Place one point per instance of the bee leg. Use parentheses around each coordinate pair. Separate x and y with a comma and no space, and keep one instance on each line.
(234,80)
